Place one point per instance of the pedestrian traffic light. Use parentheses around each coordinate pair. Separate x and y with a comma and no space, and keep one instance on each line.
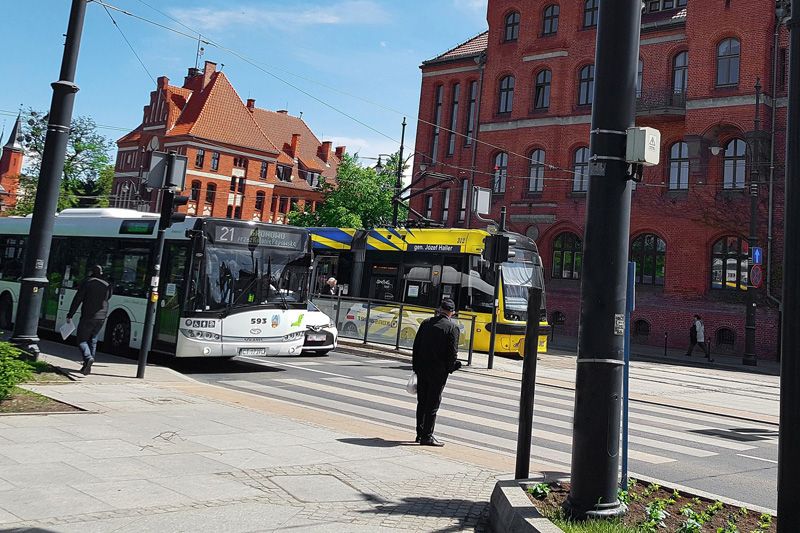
(489,244)
(497,248)
(170,203)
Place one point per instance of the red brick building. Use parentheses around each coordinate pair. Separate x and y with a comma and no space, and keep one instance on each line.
(11,167)
(509,110)
(242,161)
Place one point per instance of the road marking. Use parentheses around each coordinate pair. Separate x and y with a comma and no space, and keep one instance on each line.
(757,458)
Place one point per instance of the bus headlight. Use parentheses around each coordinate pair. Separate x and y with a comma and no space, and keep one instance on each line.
(200,335)
(297,335)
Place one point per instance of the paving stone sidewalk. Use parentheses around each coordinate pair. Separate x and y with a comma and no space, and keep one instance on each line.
(148,456)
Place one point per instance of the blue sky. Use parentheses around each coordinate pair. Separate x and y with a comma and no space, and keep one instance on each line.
(367,48)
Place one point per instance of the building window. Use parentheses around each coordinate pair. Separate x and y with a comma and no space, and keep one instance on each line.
(229,212)
(199,158)
(586,85)
(734,165)
(241,186)
(500,173)
(680,73)
(240,162)
(428,206)
(473,98)
(446,205)
(211,193)
(451,144)
(512,27)
(550,20)
(541,96)
(195,191)
(580,169)
(260,196)
(729,264)
(536,174)
(214,161)
(567,256)
(237,212)
(462,211)
(283,173)
(639,79)
(590,13)
(506,94)
(233,183)
(641,328)
(783,68)
(437,117)
(679,166)
(263,173)
(728,63)
(649,252)
(725,338)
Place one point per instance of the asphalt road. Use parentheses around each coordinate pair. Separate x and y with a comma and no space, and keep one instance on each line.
(727,456)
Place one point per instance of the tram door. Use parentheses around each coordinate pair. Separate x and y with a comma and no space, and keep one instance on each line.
(383,283)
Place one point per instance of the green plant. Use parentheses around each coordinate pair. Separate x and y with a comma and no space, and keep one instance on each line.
(651,488)
(730,526)
(13,369)
(690,526)
(764,521)
(539,491)
(624,496)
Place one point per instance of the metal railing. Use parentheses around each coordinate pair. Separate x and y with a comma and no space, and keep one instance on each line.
(386,322)
(667,99)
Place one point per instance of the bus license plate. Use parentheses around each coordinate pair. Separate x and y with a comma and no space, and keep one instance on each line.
(252,351)
(316,337)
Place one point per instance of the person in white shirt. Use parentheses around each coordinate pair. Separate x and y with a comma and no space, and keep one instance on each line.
(697,335)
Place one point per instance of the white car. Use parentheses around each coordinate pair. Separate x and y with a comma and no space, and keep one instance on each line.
(321,332)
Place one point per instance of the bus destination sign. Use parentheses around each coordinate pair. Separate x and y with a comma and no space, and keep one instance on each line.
(434,248)
(137,227)
(258,237)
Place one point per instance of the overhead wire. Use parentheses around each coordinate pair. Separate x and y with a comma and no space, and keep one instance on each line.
(139,59)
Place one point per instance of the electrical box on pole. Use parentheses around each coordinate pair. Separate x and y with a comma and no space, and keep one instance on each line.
(643,146)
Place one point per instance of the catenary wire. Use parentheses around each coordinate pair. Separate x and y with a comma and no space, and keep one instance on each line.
(139,59)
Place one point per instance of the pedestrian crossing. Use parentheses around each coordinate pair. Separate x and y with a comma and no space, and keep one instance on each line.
(482,411)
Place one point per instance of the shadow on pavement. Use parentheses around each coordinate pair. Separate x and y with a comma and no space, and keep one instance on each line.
(376,442)
(467,513)
(217,366)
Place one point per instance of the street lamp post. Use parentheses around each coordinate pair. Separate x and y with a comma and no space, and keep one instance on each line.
(749,358)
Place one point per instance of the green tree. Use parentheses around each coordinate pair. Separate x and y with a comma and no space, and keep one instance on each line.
(360,198)
(88,173)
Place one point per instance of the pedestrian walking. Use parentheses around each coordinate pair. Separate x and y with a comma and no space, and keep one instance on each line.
(435,356)
(330,288)
(697,336)
(92,297)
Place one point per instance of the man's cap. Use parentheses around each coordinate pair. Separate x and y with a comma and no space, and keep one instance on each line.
(96,270)
(447,304)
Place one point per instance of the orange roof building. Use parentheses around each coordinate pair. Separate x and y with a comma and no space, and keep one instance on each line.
(242,161)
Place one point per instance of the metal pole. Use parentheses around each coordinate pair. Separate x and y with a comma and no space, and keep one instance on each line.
(471,341)
(598,384)
(789,441)
(475,125)
(366,323)
(528,385)
(399,328)
(498,273)
(749,358)
(398,184)
(37,247)
(629,306)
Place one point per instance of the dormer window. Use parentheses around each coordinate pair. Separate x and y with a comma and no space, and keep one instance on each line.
(283,173)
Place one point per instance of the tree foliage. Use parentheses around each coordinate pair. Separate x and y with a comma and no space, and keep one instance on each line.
(360,198)
(88,173)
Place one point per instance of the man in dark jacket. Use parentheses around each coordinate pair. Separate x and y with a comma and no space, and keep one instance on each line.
(434,357)
(92,297)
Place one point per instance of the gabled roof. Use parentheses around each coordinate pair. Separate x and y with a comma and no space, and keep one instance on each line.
(218,114)
(468,48)
(14,139)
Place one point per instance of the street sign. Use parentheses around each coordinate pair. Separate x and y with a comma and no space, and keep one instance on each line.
(156,175)
(756,276)
(757,255)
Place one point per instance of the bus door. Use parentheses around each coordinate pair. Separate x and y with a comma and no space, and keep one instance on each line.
(53,297)
(171,292)
(418,281)
(325,266)
(383,283)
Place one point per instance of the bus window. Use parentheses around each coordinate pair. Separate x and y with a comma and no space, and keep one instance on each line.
(129,271)
(11,260)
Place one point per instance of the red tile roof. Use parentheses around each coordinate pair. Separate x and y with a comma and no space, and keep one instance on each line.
(471,47)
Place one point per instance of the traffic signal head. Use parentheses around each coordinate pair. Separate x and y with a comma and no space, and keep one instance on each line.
(170,203)
(496,248)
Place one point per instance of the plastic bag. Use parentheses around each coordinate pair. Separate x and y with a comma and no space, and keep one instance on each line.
(66,329)
(411,386)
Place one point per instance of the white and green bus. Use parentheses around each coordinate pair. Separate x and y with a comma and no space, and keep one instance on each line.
(227,287)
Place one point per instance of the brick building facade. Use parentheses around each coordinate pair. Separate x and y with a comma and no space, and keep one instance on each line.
(242,161)
(509,110)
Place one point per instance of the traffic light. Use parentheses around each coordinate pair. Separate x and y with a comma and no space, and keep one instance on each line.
(497,248)
(170,203)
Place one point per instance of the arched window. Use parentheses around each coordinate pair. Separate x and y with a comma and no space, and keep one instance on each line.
(580,169)
(590,13)
(729,263)
(567,256)
(506,94)
(639,79)
(641,329)
(541,95)
(211,193)
(680,73)
(679,166)
(536,174)
(734,164)
(512,27)
(195,192)
(260,201)
(725,338)
(649,252)
(550,20)
(500,172)
(728,62)
(586,85)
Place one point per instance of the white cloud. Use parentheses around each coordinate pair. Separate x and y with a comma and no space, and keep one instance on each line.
(346,12)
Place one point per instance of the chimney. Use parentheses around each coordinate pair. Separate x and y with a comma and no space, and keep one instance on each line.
(324,151)
(209,69)
(189,80)
(295,144)
(340,152)
(251,103)
(162,82)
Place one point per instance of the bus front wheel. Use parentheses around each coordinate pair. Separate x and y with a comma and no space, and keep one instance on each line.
(6,306)
(118,334)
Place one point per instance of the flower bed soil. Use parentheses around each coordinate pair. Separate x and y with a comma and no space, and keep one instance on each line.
(678,509)
(25,401)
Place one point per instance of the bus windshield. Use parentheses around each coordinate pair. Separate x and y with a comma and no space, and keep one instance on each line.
(517,278)
(236,277)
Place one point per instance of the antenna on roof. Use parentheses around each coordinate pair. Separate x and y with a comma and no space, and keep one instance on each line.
(221,66)
(199,52)
(301,114)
